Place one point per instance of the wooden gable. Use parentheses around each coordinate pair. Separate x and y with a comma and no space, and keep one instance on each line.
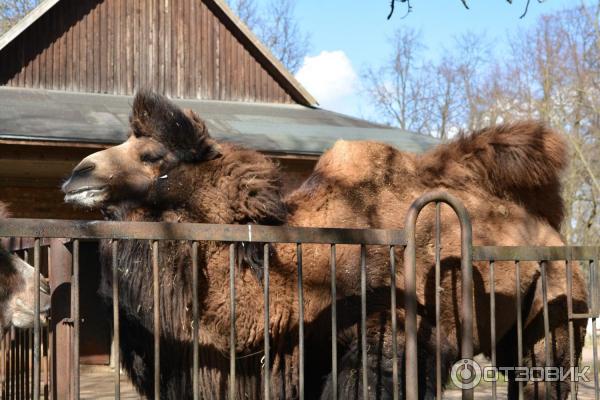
(194,49)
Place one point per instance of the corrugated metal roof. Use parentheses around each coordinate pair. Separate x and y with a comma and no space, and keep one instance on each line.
(30,114)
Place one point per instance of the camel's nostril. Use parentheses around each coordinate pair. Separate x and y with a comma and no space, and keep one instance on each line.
(84,167)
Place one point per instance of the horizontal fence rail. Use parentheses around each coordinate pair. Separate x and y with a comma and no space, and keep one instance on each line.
(40,228)
(524,253)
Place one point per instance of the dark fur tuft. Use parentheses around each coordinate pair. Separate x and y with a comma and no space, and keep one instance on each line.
(183,132)
(521,162)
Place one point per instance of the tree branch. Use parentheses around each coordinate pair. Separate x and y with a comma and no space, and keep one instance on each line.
(464,3)
(585,163)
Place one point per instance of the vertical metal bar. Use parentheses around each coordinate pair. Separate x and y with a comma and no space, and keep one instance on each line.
(493,321)
(232,254)
(18,364)
(595,362)
(60,266)
(36,319)
(334,368)
(5,366)
(23,361)
(27,363)
(156,290)
(395,390)
(410,302)
(519,324)
(76,320)
(2,365)
(46,342)
(116,322)
(572,360)
(547,339)
(195,321)
(438,280)
(267,323)
(11,380)
(17,393)
(363,318)
(300,321)
(593,292)
(49,383)
(467,300)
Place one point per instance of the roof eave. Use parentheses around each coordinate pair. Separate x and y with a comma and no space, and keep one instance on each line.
(300,92)
(26,21)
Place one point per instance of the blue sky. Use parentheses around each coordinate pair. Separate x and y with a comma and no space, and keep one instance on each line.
(347,36)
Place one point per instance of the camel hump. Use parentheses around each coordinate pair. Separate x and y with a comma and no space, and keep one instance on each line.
(352,162)
(520,162)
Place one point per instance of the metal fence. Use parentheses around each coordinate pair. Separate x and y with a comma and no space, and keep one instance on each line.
(28,355)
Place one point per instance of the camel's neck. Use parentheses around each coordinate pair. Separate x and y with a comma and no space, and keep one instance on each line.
(175,263)
(249,375)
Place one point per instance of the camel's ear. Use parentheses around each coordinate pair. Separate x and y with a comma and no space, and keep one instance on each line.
(209,147)
(183,133)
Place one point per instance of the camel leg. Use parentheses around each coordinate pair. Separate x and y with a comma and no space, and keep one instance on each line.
(534,341)
(380,366)
(534,351)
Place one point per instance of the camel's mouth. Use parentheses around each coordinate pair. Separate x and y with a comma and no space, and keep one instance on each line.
(87,196)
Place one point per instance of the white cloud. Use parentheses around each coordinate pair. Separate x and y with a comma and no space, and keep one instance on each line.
(331,79)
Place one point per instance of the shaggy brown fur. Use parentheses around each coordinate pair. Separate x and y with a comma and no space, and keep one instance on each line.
(355,184)
(519,162)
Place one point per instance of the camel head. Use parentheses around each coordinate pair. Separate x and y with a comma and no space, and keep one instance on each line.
(162,138)
(17,292)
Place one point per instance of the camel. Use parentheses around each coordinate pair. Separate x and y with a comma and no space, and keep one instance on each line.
(171,169)
(17,290)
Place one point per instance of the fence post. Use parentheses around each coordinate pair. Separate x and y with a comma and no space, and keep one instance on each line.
(59,272)
(410,295)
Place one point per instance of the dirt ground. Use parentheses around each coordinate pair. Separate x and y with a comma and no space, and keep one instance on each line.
(586,390)
(97,382)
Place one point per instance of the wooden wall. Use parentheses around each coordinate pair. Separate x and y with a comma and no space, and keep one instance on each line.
(181,48)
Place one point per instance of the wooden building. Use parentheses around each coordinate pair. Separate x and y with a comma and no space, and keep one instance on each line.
(68,71)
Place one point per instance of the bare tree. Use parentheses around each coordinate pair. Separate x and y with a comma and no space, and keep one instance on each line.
(282,34)
(446,95)
(277,27)
(247,11)
(11,11)
(551,72)
(427,96)
(400,89)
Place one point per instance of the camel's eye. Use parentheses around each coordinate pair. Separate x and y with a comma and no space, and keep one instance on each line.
(151,157)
